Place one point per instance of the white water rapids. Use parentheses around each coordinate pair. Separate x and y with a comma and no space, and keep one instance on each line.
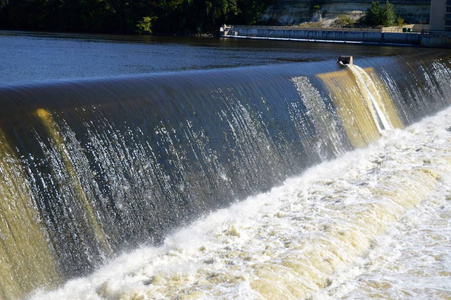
(374,223)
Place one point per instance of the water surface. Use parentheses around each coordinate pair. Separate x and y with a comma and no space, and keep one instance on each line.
(32,57)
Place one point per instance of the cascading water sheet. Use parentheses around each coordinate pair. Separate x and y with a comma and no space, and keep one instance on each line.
(373,223)
(104,166)
(373,98)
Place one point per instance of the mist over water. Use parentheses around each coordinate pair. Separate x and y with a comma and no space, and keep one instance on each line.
(287,179)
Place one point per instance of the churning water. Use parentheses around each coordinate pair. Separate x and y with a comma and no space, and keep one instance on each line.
(278,181)
(374,223)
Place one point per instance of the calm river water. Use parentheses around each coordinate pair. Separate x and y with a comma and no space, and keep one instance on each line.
(27,57)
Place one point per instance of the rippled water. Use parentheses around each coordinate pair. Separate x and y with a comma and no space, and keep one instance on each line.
(374,223)
(31,57)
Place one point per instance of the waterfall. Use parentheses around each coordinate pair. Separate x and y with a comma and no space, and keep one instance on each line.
(93,168)
(371,96)
(26,261)
(363,102)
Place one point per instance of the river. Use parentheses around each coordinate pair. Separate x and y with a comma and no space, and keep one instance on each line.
(176,168)
(32,56)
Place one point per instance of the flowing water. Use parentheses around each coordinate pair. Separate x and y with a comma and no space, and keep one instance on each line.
(28,57)
(288,180)
(374,223)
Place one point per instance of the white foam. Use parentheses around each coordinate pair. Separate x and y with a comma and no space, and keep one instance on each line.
(376,221)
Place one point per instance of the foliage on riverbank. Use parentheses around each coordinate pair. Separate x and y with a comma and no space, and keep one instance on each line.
(378,15)
(182,17)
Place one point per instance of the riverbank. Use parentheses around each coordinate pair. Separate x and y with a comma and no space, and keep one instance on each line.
(340,35)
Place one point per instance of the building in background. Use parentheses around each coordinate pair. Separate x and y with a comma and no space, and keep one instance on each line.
(440,18)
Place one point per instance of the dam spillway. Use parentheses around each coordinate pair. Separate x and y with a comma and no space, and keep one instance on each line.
(92,168)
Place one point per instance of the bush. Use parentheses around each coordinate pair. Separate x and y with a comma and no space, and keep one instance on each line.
(344,20)
(145,25)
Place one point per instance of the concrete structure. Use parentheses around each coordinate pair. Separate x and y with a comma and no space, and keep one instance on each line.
(348,35)
(440,15)
(357,36)
(345,60)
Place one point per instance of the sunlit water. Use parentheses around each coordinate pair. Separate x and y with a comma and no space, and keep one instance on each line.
(36,56)
(375,223)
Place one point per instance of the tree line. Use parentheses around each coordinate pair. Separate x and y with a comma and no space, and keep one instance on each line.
(181,17)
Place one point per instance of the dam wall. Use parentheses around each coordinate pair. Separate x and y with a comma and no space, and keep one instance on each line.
(360,36)
(368,36)
(92,168)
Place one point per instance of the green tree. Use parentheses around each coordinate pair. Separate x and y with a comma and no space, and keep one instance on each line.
(376,15)
(388,15)
(249,11)
(128,16)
